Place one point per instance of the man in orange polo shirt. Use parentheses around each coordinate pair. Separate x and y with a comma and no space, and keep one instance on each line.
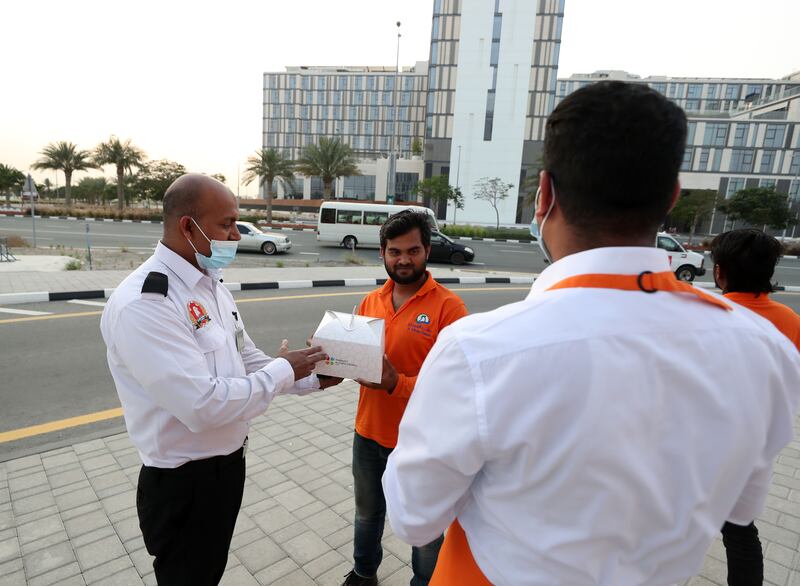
(415,309)
(744,262)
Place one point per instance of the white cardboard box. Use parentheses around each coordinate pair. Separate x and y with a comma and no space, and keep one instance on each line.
(354,344)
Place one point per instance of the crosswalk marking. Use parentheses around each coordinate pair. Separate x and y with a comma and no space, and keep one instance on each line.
(87,302)
(24,311)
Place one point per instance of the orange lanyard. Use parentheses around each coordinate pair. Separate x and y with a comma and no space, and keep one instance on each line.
(647,282)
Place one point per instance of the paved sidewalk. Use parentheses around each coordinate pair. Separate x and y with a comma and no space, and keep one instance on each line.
(68,516)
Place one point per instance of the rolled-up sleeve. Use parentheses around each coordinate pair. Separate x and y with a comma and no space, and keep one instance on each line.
(161,353)
(439,449)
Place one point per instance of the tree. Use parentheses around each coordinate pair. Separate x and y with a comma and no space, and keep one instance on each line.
(65,156)
(439,189)
(10,180)
(154,177)
(268,165)
(92,189)
(758,206)
(218,176)
(492,190)
(694,207)
(416,147)
(330,159)
(124,156)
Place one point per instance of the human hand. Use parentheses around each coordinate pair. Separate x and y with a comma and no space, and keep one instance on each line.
(301,361)
(326,381)
(389,377)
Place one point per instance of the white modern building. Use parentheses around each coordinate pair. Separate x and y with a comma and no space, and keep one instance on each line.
(741,132)
(479,105)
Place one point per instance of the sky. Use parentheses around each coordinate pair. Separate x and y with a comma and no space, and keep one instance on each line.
(183,79)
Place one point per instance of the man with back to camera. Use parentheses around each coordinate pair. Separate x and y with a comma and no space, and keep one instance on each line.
(190,379)
(744,262)
(592,433)
(415,309)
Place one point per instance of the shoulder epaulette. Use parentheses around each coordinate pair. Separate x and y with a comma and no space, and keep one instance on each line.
(156,283)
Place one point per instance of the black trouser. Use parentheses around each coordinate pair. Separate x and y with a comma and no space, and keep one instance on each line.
(743,550)
(187,515)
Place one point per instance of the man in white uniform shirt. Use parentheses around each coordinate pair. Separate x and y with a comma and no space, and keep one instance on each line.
(189,379)
(602,430)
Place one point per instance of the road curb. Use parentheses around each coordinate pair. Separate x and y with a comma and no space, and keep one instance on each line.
(44,296)
(508,240)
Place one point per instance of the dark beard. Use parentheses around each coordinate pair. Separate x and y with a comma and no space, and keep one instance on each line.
(415,275)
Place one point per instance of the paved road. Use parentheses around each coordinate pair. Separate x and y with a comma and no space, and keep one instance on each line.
(503,256)
(55,368)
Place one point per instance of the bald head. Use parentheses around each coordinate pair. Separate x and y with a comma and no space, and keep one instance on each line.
(192,195)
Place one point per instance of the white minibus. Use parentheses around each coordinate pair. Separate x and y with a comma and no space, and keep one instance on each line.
(352,224)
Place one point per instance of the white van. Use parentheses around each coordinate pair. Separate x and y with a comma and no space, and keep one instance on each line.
(686,264)
(352,224)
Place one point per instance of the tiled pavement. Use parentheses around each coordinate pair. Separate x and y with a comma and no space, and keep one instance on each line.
(68,516)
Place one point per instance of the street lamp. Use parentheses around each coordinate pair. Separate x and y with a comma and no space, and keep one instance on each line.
(391,180)
(458,176)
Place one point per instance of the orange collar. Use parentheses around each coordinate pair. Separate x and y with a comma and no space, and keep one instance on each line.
(646,281)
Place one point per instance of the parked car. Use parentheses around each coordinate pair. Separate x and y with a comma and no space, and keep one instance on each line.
(686,264)
(443,249)
(253,238)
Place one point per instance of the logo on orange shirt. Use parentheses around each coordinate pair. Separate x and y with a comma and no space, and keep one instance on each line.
(423,318)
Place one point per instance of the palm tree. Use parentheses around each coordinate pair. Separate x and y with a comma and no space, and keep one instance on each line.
(124,156)
(268,164)
(330,159)
(65,156)
(10,178)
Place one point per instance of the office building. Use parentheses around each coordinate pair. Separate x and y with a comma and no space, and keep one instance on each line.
(742,133)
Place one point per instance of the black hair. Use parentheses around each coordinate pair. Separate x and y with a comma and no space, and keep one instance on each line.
(404,222)
(614,150)
(747,259)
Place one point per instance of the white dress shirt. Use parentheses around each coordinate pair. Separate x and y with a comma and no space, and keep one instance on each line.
(594,436)
(187,393)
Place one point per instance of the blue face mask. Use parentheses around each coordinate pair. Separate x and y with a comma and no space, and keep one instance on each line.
(536,229)
(222,252)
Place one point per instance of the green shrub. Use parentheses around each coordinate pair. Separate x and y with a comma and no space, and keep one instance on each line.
(73,265)
(486,232)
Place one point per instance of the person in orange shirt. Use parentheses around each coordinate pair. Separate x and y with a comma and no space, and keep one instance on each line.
(415,309)
(744,262)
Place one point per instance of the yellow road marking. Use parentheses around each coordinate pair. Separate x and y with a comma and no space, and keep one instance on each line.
(18,434)
(17,320)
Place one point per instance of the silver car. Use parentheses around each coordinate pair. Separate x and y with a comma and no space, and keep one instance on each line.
(254,239)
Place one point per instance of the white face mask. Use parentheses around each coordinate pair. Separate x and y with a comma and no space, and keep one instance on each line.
(537,231)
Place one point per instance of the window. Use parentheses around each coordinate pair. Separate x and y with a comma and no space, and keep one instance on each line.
(732,91)
(358,98)
(371,82)
(375,218)
(767,161)
(489,120)
(742,161)
(404,185)
(692,105)
(694,90)
(243,229)
(405,98)
(409,83)
(795,166)
(668,244)
(353,113)
(716,134)
(389,83)
(773,136)
(704,156)
(687,159)
(342,82)
(359,187)
(740,135)
(327,216)
(735,185)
